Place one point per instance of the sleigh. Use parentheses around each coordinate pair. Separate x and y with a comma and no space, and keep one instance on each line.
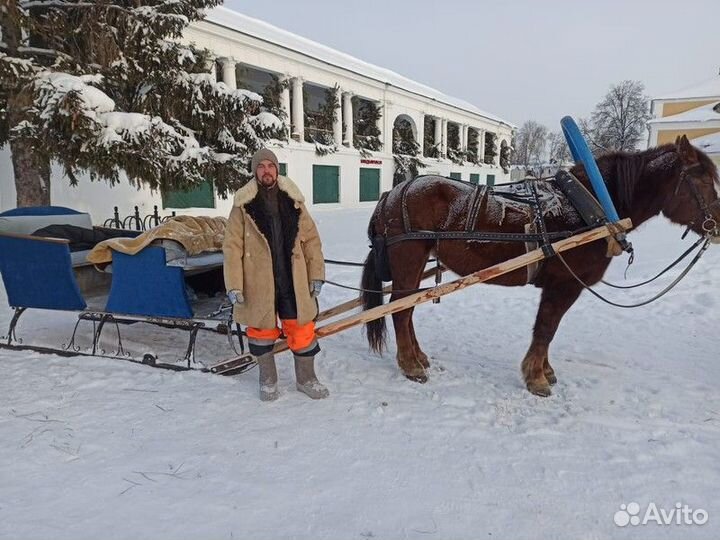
(151,287)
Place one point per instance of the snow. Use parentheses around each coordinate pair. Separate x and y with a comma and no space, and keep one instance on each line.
(710,144)
(705,113)
(92,97)
(267,120)
(708,88)
(97,448)
(267,32)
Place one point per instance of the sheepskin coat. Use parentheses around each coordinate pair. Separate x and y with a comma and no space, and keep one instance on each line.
(248,259)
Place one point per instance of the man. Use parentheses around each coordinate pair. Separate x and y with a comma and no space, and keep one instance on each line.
(274,267)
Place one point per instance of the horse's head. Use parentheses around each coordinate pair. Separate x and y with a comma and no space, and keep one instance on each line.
(693,201)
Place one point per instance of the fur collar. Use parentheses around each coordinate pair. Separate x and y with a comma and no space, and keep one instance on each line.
(248,192)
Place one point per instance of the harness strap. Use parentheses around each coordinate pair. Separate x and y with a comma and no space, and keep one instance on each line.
(479,195)
(546,246)
(479,236)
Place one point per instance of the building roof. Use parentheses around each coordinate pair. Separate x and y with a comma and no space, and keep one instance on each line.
(709,88)
(272,34)
(710,144)
(705,113)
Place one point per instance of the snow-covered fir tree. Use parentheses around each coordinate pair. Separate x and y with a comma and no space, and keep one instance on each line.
(319,123)
(491,148)
(366,135)
(406,152)
(454,151)
(106,87)
(430,149)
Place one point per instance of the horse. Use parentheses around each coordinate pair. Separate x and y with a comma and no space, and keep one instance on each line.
(677,180)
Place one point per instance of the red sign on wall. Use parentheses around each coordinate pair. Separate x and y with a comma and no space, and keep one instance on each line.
(371,161)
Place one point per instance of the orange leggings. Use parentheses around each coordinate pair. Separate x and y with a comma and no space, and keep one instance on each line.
(300,337)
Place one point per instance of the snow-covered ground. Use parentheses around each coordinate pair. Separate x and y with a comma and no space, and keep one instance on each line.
(97,448)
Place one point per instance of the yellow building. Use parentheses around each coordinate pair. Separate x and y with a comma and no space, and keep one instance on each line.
(692,111)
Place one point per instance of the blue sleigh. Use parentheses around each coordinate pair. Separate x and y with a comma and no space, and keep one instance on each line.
(149,287)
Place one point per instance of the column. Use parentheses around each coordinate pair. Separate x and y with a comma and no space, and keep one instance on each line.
(285,104)
(443,153)
(298,114)
(338,123)
(481,145)
(464,140)
(438,135)
(348,119)
(228,73)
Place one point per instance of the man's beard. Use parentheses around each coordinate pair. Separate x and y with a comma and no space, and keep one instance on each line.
(267,180)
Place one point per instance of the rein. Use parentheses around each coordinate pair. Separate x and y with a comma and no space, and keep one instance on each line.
(661,273)
(705,243)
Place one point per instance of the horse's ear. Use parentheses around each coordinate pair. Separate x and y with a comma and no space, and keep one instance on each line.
(686,150)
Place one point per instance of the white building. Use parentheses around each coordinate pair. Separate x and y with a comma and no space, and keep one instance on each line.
(249,53)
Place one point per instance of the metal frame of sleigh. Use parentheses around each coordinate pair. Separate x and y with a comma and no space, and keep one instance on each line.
(148,287)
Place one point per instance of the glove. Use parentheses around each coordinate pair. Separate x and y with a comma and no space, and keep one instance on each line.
(315,288)
(235,296)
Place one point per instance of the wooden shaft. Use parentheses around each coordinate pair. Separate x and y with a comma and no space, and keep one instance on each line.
(352,304)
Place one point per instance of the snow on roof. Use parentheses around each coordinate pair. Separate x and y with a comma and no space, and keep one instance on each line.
(706,113)
(259,29)
(709,88)
(710,144)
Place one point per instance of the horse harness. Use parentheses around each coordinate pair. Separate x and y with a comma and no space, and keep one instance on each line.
(536,233)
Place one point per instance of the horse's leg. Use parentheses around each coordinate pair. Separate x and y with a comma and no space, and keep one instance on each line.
(422,357)
(408,263)
(556,299)
(549,371)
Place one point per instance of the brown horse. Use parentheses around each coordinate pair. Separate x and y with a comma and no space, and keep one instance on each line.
(676,180)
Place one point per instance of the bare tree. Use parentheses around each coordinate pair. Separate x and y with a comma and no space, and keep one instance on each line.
(618,121)
(558,151)
(529,148)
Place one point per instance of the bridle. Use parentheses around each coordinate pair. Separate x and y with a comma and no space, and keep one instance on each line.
(709,224)
(711,234)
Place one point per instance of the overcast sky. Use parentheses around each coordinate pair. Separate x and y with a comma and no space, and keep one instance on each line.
(519,59)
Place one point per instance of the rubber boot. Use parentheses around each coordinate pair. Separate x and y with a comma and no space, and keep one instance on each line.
(306,380)
(268,377)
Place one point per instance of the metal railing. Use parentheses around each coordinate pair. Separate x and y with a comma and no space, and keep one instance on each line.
(135,221)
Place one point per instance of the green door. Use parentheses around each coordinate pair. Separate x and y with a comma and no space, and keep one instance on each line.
(326,184)
(490,180)
(369,184)
(456,175)
(283,169)
(202,196)
(474,178)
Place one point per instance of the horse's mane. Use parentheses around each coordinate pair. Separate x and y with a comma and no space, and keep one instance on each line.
(624,171)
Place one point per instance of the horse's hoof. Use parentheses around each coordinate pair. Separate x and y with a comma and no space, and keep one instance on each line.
(551,378)
(422,379)
(539,389)
(424,361)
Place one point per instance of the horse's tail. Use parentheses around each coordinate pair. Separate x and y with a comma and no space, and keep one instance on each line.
(371,285)
(372,297)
